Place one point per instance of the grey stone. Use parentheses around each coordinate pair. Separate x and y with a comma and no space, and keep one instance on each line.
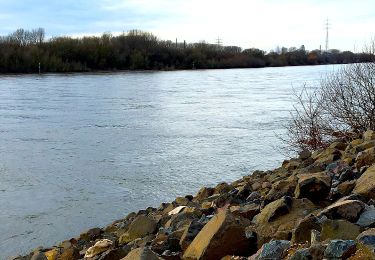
(338,249)
(367,218)
(273,249)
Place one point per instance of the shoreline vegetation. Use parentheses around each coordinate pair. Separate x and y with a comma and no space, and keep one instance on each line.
(28,51)
(319,205)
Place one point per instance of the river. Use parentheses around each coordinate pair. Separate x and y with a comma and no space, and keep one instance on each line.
(81,150)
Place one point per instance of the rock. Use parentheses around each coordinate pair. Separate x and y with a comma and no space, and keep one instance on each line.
(338,145)
(246,211)
(140,227)
(347,174)
(223,235)
(206,205)
(176,210)
(143,253)
(254,196)
(204,193)
(340,249)
(363,253)
(272,250)
(301,254)
(315,236)
(327,156)
(339,229)
(266,185)
(167,241)
(304,154)
(314,186)
(168,255)
(348,209)
(365,184)
(361,147)
(182,201)
(275,209)
(367,238)
(71,253)
(243,192)
(256,186)
(91,234)
(52,254)
(292,164)
(114,254)
(38,256)
(367,218)
(181,220)
(317,251)
(99,247)
(282,222)
(346,187)
(302,232)
(369,135)
(222,188)
(190,232)
(365,158)
(282,188)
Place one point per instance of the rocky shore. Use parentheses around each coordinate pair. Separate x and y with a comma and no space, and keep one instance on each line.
(317,206)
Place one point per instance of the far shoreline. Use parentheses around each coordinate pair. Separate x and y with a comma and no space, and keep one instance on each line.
(88,72)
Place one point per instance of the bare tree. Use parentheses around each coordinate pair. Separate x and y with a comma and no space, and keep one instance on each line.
(40,35)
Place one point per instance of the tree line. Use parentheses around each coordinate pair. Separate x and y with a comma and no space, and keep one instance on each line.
(24,50)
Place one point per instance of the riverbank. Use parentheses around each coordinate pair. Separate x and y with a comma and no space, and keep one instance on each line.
(316,206)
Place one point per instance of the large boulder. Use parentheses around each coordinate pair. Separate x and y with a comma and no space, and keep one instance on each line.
(278,219)
(347,209)
(275,209)
(302,232)
(223,235)
(314,186)
(366,184)
(140,227)
(339,229)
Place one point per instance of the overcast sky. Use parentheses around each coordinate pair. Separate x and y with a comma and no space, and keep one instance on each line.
(263,24)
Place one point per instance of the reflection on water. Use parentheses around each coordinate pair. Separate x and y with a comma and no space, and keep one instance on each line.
(81,150)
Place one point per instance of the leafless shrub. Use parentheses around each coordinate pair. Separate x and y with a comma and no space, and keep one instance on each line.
(344,104)
(307,128)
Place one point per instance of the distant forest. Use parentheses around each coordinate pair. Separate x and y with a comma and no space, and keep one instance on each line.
(22,51)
